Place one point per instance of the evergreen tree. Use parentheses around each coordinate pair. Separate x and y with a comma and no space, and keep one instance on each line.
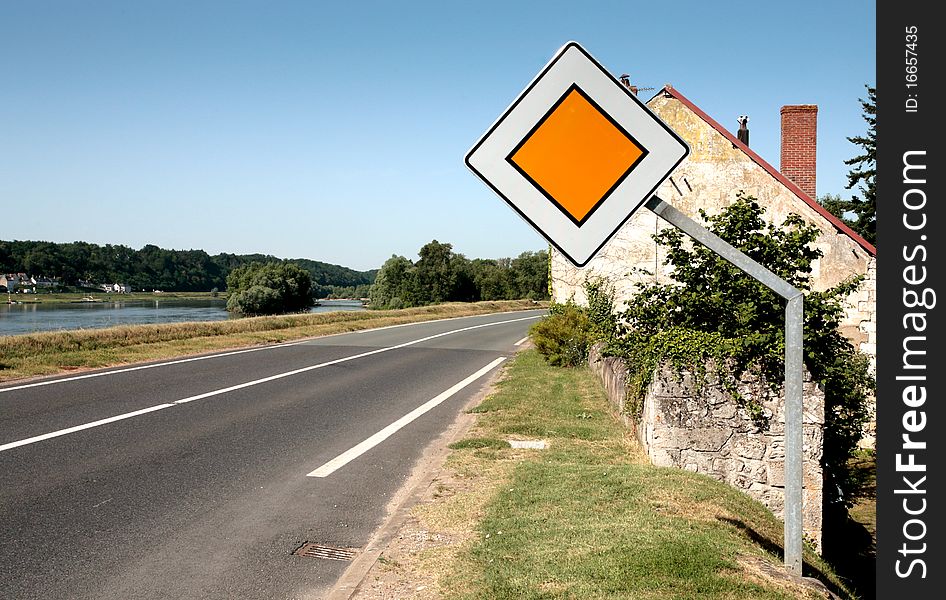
(864,175)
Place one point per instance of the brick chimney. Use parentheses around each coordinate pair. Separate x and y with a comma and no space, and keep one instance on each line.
(799,142)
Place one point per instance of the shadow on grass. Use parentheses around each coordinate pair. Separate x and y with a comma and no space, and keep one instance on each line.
(851,549)
(808,570)
(850,543)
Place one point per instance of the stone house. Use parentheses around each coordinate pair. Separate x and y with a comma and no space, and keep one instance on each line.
(44,282)
(719,166)
(703,431)
(11,281)
(116,288)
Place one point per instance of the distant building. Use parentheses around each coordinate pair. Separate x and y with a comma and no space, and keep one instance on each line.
(116,288)
(12,281)
(45,282)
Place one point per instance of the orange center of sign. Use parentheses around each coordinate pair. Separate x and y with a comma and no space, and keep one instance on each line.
(576,156)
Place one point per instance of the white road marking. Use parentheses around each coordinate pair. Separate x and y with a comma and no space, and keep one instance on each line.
(46,436)
(522,341)
(247,384)
(142,367)
(222,354)
(352,453)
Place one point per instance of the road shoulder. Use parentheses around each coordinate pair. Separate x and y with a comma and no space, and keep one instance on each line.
(377,572)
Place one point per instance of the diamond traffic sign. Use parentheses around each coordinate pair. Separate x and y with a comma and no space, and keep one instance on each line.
(576,154)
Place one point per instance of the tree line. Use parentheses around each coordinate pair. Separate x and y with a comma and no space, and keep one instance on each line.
(439,275)
(442,275)
(157,268)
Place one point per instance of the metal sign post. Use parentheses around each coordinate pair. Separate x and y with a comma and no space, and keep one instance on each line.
(794,322)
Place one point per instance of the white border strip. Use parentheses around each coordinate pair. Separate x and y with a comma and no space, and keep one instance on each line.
(46,436)
(247,384)
(142,367)
(352,453)
(234,352)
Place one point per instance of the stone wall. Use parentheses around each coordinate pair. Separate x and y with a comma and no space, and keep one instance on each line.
(707,432)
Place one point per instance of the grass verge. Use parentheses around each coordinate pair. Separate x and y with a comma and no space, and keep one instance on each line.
(55,352)
(588,517)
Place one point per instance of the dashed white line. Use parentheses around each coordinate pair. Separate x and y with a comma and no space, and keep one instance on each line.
(354,452)
(522,341)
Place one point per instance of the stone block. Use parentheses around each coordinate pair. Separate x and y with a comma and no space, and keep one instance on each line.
(724,411)
(710,439)
(664,457)
(748,446)
(775,472)
(686,412)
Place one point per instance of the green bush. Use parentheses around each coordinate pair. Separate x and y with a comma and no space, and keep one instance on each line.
(258,300)
(270,288)
(603,322)
(712,296)
(564,336)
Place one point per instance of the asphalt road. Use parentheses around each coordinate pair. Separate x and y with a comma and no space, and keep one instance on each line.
(199,478)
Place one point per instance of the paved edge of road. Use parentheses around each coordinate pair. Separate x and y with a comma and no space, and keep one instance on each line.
(422,476)
(101,371)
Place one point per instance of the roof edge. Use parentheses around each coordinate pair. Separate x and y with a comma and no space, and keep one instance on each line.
(838,223)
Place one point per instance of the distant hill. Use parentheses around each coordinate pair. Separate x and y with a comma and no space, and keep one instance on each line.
(154,268)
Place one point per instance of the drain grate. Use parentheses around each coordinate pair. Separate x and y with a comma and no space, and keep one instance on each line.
(311,550)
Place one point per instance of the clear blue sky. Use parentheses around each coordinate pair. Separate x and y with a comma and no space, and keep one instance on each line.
(336,130)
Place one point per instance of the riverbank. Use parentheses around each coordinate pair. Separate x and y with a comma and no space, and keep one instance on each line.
(57,352)
(76,297)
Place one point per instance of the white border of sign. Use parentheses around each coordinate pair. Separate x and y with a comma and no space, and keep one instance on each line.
(572,65)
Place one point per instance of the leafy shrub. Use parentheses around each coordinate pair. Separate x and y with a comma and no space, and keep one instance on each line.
(563,337)
(603,321)
(270,288)
(258,300)
(712,296)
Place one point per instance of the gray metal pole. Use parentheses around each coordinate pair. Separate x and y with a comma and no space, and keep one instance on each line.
(794,322)
(794,438)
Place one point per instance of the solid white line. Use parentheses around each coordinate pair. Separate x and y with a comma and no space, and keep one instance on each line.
(352,453)
(522,341)
(46,436)
(142,367)
(252,383)
(374,329)
(342,360)
(223,354)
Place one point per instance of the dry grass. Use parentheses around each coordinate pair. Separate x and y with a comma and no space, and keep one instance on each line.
(419,564)
(54,352)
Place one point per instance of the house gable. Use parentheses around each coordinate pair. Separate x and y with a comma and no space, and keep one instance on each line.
(718,167)
(737,146)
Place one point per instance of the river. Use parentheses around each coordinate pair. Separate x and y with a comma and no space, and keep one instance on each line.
(30,318)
